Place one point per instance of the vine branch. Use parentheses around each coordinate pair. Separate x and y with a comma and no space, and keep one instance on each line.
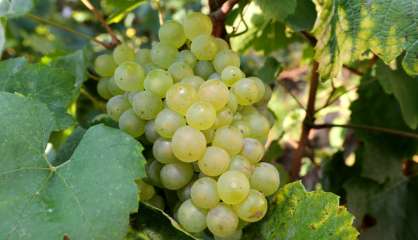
(219,15)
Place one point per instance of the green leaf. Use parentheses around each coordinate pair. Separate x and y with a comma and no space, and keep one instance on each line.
(303,17)
(346,29)
(66,150)
(120,8)
(304,215)
(15,8)
(75,63)
(269,70)
(88,197)
(410,61)
(277,10)
(2,38)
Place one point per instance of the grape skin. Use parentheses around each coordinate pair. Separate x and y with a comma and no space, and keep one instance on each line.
(215,93)
(214,162)
(188,144)
(204,47)
(203,193)
(104,65)
(253,208)
(222,221)
(171,33)
(167,122)
(130,123)
(163,152)
(180,97)
(176,175)
(191,218)
(123,53)
(229,139)
(197,24)
(201,115)
(233,187)
(265,178)
(129,76)
(116,106)
(158,82)
(147,105)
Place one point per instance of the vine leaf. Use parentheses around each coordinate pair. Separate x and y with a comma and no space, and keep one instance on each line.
(346,29)
(304,215)
(90,196)
(410,61)
(15,8)
(277,10)
(119,9)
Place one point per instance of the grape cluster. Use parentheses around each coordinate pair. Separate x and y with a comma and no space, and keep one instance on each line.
(206,122)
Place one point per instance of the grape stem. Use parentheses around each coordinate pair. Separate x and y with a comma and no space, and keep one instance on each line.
(218,15)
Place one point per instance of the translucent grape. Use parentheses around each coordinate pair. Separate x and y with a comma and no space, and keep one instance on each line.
(261,88)
(103,90)
(201,115)
(214,162)
(252,150)
(158,82)
(231,74)
(176,175)
(242,127)
(150,133)
(143,56)
(240,163)
(196,24)
(123,53)
(104,65)
(246,91)
(204,69)
(146,191)
(157,201)
(171,33)
(224,118)
(116,106)
(187,57)
(163,152)
(130,123)
(113,88)
(194,81)
(204,194)
(204,47)
(188,144)
(265,178)
(215,93)
(222,221)
(224,59)
(153,170)
(180,97)
(147,105)
(232,102)
(191,218)
(167,122)
(221,44)
(253,208)
(180,70)
(163,55)
(185,193)
(129,76)
(229,139)
(233,187)
(259,125)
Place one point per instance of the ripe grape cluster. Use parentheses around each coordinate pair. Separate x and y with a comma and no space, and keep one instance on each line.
(205,120)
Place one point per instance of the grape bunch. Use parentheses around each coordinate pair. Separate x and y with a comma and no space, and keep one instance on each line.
(206,122)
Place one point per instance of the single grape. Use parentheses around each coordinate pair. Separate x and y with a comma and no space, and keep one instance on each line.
(242,127)
(237,235)
(204,69)
(191,218)
(180,70)
(163,55)
(185,193)
(224,59)
(163,152)
(222,221)
(232,102)
(194,81)
(180,97)
(146,191)
(187,57)
(188,144)
(153,169)
(246,91)
(214,162)
(103,90)
(221,44)
(157,201)
(224,118)
(229,139)
(143,56)
(215,76)
(231,74)
(158,82)
(265,178)
(215,93)
(129,76)
(113,88)
(167,122)
(196,24)
(252,150)
(104,65)
(150,133)
(176,175)
(204,194)
(147,105)
(253,208)
(259,125)
(130,123)
(204,47)
(116,106)
(240,163)
(171,33)
(233,187)
(201,115)
(261,88)
(123,53)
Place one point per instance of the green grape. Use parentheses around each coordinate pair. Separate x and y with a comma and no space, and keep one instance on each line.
(113,88)
(123,53)
(130,123)
(233,187)
(187,57)
(240,163)
(246,111)
(209,134)
(167,122)
(231,74)
(224,59)
(188,144)
(214,162)
(116,106)
(261,87)
(252,150)
(215,93)
(129,76)
(163,55)
(204,47)
(180,97)
(158,82)
(163,152)
(265,178)
(146,191)
(237,235)
(184,193)
(191,218)
(143,56)
(242,127)
(204,194)
(221,44)
(147,105)
(153,169)
(180,70)
(229,139)
(259,125)
(103,90)
(201,115)
(246,91)
(150,133)
(232,102)
(194,81)
(224,118)
(214,76)
(104,65)
(157,201)
(204,69)
(253,208)
(171,33)
(196,24)
(149,67)
(222,221)
(176,175)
